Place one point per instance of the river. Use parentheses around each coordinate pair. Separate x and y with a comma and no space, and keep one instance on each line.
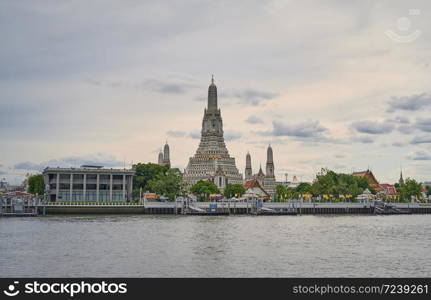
(215,246)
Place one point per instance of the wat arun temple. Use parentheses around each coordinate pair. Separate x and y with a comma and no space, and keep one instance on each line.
(212,160)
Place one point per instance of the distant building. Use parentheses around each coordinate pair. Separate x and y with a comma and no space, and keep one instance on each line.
(381,188)
(3,185)
(164,157)
(372,181)
(88,183)
(388,189)
(289,184)
(266,181)
(160,160)
(253,188)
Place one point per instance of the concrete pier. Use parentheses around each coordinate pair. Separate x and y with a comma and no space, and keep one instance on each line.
(225,208)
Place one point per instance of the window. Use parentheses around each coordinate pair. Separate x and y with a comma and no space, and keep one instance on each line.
(78,176)
(64,186)
(64,176)
(91,176)
(117,177)
(90,196)
(52,176)
(103,186)
(91,186)
(104,177)
(78,186)
(117,187)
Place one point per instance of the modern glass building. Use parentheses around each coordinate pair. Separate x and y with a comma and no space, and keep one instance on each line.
(88,183)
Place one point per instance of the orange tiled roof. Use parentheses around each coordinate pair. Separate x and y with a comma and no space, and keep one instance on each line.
(254,183)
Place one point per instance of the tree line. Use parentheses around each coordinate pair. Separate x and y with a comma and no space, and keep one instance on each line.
(329,185)
(168,182)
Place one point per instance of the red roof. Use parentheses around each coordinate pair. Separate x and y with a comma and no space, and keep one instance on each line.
(17,193)
(388,188)
(251,183)
(254,183)
(370,177)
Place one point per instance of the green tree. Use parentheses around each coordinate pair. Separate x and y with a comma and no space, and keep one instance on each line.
(36,184)
(144,173)
(283,193)
(203,189)
(233,190)
(280,192)
(325,183)
(330,183)
(167,184)
(409,188)
(303,188)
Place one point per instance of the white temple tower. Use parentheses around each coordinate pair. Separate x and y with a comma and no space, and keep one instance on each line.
(212,147)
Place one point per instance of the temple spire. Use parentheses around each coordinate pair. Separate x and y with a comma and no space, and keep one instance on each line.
(248,169)
(212,96)
(401,180)
(269,162)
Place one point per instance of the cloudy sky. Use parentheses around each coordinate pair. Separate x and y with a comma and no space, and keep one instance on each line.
(337,84)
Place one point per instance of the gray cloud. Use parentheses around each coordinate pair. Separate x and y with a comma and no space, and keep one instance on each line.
(154,85)
(311,133)
(196,134)
(372,127)
(424,124)
(166,87)
(421,140)
(72,161)
(410,103)
(398,144)
(419,155)
(175,133)
(362,139)
(232,135)
(228,135)
(399,120)
(305,129)
(249,96)
(200,99)
(406,129)
(246,96)
(254,120)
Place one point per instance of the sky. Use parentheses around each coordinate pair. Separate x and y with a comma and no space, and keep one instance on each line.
(343,85)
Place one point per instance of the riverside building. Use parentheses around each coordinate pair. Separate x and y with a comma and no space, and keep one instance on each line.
(88,183)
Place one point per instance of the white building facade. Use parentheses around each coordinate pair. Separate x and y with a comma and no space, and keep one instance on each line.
(88,183)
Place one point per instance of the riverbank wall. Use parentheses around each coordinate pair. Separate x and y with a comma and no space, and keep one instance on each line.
(202,208)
